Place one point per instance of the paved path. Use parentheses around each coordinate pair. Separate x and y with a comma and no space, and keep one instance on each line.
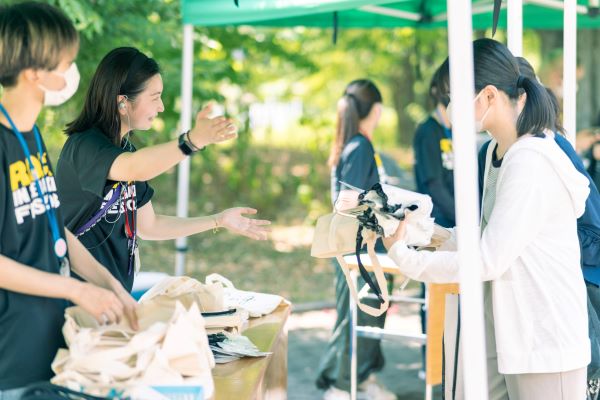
(308,335)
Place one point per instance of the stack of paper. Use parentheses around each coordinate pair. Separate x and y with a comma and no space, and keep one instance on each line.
(227,348)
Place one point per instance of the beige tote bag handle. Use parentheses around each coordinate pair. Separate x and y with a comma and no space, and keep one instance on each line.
(379,276)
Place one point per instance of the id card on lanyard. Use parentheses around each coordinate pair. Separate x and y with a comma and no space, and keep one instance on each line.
(446,149)
(59,243)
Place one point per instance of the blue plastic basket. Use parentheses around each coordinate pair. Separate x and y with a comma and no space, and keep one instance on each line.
(181,392)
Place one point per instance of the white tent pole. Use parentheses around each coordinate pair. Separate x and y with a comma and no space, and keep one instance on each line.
(183,175)
(460,37)
(570,69)
(514,22)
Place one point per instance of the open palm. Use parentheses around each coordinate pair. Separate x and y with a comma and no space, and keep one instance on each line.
(234,221)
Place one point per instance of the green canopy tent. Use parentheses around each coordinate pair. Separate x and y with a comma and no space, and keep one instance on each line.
(460,16)
(537,14)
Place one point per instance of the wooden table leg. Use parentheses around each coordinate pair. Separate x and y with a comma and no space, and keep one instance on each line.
(276,376)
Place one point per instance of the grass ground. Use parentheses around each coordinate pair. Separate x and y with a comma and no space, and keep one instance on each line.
(282,265)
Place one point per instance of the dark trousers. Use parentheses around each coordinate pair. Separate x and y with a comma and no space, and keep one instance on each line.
(334,368)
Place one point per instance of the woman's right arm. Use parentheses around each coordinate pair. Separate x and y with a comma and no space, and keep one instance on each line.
(149,162)
(519,213)
(21,278)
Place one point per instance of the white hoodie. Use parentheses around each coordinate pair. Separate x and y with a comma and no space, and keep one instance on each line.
(530,252)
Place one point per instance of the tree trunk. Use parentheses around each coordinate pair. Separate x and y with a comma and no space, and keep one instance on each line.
(588,83)
(403,96)
(588,93)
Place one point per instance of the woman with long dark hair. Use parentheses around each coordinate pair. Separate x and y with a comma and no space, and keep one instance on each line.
(353,160)
(534,293)
(102,178)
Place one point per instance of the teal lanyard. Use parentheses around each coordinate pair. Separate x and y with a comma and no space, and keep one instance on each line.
(60,246)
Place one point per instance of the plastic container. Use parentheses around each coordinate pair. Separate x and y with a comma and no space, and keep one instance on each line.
(181,392)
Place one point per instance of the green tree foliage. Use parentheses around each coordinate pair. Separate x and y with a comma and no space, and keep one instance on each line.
(279,173)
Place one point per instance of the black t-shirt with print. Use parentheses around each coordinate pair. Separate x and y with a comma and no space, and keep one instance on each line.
(434,170)
(81,176)
(356,166)
(30,326)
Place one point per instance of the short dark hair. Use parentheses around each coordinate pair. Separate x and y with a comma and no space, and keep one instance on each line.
(32,35)
(438,88)
(123,71)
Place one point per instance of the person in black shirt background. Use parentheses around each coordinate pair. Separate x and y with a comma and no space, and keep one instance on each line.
(434,165)
(592,160)
(434,158)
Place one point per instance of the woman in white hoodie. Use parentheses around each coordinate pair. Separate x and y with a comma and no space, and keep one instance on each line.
(534,293)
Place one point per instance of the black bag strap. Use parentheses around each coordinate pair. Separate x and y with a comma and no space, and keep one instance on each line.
(48,391)
(361,268)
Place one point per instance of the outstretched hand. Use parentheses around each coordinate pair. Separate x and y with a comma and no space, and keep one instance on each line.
(234,221)
(211,130)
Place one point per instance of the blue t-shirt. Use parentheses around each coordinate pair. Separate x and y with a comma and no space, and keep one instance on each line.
(356,166)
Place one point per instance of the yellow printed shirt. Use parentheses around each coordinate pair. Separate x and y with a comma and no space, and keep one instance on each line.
(30,325)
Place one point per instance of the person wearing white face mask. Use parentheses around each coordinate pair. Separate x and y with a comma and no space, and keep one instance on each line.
(103,178)
(37,47)
(534,293)
(481,136)
(58,97)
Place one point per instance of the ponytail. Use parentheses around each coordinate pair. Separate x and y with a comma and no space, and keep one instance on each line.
(347,126)
(526,69)
(539,111)
(356,104)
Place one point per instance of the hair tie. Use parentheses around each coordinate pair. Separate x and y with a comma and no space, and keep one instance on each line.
(358,104)
(353,97)
(521,81)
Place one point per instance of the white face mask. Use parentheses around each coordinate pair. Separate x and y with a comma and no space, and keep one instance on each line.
(478,124)
(58,97)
